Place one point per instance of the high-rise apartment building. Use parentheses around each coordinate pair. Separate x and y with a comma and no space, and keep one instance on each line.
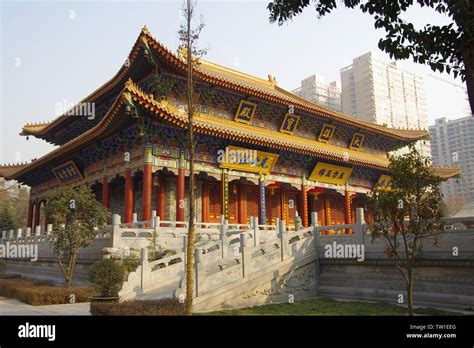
(452,145)
(316,90)
(382,93)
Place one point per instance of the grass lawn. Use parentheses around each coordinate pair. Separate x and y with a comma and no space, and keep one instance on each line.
(327,306)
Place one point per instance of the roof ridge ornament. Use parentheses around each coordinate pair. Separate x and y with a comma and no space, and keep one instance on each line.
(272,79)
(183,52)
(145,30)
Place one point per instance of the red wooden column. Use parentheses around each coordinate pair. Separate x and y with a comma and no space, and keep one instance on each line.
(242,203)
(105,192)
(37,213)
(348,208)
(205,201)
(147,183)
(327,208)
(161,197)
(30,213)
(128,210)
(284,205)
(304,204)
(180,190)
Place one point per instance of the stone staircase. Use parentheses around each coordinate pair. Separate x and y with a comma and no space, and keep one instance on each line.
(242,268)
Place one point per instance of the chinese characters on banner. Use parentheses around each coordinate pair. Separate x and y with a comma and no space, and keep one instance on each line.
(326,133)
(245,112)
(330,174)
(248,160)
(290,123)
(67,172)
(384,182)
(357,141)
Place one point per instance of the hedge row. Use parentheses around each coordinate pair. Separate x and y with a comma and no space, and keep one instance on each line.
(39,293)
(166,306)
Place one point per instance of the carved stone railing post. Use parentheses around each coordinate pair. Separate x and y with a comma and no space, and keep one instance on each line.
(283,240)
(153,215)
(11,234)
(28,232)
(49,229)
(256,231)
(156,223)
(144,266)
(298,223)
(199,270)
(314,224)
(37,231)
(18,234)
(245,255)
(360,222)
(134,219)
(116,231)
(223,236)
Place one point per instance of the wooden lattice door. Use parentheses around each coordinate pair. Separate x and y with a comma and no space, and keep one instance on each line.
(319,207)
(292,206)
(215,202)
(233,208)
(253,197)
(337,209)
(273,205)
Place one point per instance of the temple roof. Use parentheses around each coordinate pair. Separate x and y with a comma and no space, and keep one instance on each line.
(466,211)
(227,78)
(204,124)
(446,172)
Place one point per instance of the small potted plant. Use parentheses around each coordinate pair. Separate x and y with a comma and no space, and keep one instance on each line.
(109,276)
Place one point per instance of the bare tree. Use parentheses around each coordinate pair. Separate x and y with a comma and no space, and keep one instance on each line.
(188,37)
(407,213)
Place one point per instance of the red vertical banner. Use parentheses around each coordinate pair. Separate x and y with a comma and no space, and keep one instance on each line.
(304,205)
(348,208)
(327,208)
(128,209)
(225,194)
(284,205)
(262,207)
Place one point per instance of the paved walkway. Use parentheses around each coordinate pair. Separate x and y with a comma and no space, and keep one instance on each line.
(10,306)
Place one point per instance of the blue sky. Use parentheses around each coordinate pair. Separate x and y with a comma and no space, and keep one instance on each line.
(67,49)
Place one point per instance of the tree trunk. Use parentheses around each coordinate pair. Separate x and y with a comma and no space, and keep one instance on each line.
(410,292)
(467,52)
(191,231)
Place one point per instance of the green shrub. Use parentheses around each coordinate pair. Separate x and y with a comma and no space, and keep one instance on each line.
(2,266)
(131,264)
(36,293)
(165,306)
(109,275)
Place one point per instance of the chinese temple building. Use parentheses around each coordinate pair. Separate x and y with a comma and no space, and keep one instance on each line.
(261,151)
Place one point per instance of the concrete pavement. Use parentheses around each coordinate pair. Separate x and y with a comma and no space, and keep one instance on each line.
(10,306)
